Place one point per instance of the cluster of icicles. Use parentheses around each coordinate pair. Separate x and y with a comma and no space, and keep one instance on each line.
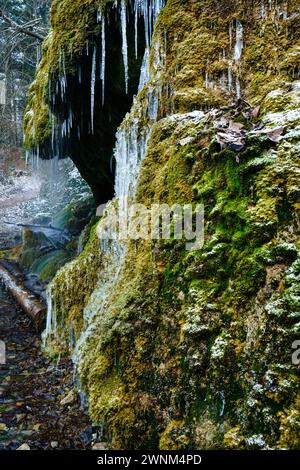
(236,49)
(131,147)
(149,10)
(271,6)
(146,9)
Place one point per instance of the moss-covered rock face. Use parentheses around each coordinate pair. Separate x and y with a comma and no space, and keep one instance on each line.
(186,349)
(204,68)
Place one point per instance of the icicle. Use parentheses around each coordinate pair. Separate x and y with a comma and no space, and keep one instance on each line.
(153,104)
(238,87)
(124,41)
(146,22)
(262,8)
(38,54)
(145,71)
(239,41)
(229,79)
(223,80)
(130,150)
(79,74)
(136,13)
(103,58)
(93,81)
(38,156)
(222,395)
(52,134)
(278,11)
(62,82)
(206,80)
(150,11)
(230,36)
(51,322)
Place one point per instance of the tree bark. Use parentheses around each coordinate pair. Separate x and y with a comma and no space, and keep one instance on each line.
(31,305)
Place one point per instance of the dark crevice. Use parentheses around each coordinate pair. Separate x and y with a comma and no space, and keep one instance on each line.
(92,153)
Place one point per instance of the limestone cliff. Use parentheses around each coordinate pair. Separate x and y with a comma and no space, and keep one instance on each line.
(181,349)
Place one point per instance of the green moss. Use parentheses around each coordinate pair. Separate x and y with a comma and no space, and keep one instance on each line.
(47,266)
(71,289)
(174,436)
(290,429)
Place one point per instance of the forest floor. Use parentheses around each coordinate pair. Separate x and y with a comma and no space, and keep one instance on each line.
(38,408)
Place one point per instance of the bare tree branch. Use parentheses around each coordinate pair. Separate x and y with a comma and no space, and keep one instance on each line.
(24,29)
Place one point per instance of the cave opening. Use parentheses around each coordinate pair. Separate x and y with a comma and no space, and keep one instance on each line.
(86,120)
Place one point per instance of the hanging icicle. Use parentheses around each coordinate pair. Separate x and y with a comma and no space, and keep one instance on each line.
(136,14)
(145,71)
(230,35)
(262,8)
(238,87)
(229,79)
(130,150)
(103,58)
(79,74)
(206,80)
(93,81)
(239,41)
(124,41)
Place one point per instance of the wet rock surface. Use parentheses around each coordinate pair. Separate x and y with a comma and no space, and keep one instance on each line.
(33,411)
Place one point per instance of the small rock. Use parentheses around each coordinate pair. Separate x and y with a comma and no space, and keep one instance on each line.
(235,126)
(186,141)
(87,435)
(275,134)
(255,112)
(24,447)
(99,446)
(181,296)
(54,444)
(70,398)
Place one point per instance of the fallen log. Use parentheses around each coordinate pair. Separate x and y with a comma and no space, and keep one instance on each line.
(48,227)
(30,303)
